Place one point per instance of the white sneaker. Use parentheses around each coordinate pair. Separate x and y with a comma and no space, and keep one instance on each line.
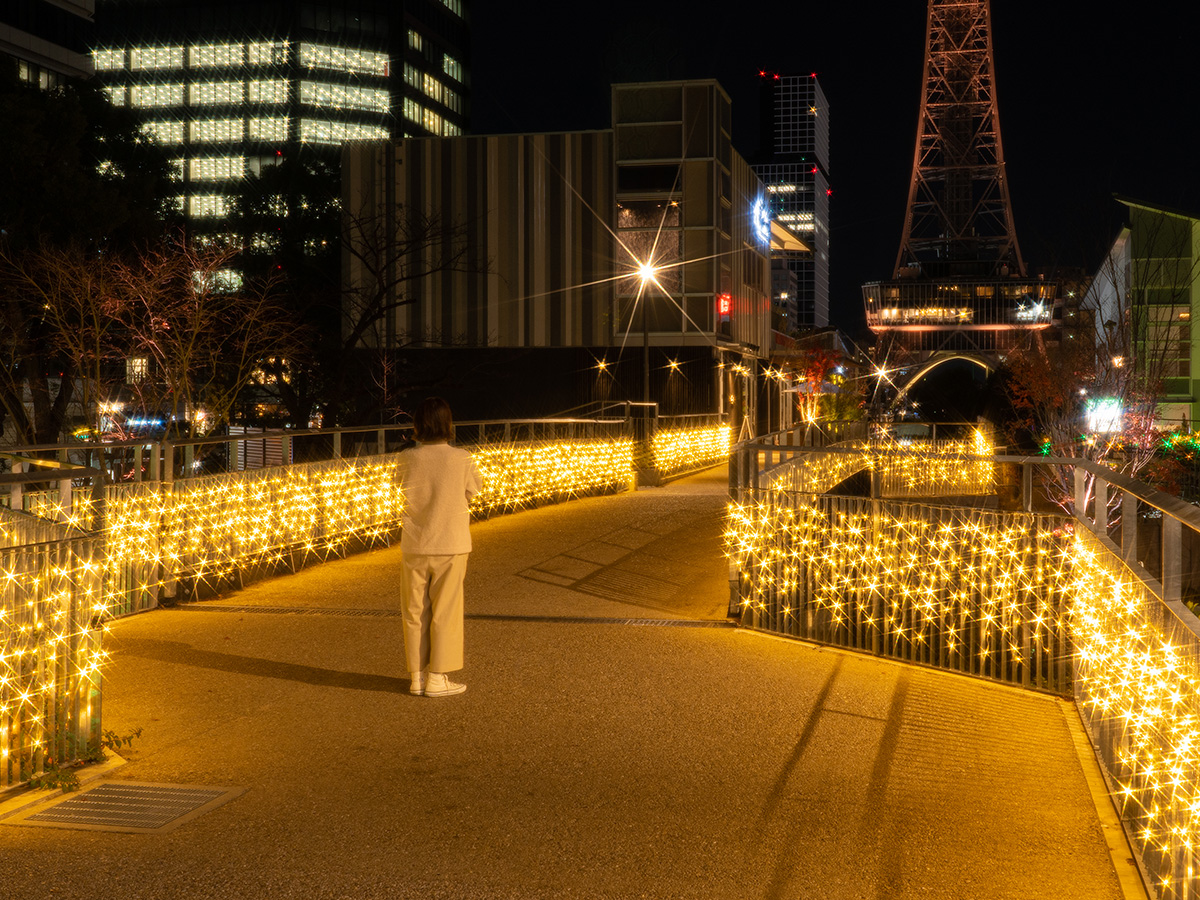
(416,685)
(438,685)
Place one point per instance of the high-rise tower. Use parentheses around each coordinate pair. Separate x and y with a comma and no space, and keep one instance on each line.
(233,86)
(794,165)
(959,283)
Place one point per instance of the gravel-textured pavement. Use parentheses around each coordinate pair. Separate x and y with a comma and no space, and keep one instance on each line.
(594,755)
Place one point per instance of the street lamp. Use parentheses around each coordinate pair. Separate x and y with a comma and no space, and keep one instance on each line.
(647,273)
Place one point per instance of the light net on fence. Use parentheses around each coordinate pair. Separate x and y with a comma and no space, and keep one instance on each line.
(1138,687)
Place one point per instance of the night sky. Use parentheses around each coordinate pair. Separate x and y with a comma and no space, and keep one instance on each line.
(1090,103)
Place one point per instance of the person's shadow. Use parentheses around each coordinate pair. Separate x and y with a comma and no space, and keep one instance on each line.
(183,654)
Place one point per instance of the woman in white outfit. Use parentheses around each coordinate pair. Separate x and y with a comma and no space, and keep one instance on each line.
(438,481)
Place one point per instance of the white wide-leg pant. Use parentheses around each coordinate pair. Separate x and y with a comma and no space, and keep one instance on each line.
(431,589)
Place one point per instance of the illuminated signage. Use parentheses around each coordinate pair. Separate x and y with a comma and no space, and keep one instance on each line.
(760,220)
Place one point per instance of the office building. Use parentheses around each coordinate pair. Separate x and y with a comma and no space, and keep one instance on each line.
(48,39)
(234,86)
(794,165)
(558,228)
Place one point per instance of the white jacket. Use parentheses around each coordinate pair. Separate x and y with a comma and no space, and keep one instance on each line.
(438,482)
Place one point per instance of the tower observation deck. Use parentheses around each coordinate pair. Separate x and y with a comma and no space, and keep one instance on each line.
(959,283)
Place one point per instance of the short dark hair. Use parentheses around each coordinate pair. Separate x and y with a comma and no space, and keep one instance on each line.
(432,421)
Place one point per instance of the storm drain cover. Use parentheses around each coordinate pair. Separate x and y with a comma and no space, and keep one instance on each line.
(127,806)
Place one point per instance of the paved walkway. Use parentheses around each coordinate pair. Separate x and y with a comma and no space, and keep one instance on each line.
(593,756)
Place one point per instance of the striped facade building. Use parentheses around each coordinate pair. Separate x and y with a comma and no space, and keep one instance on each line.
(557,227)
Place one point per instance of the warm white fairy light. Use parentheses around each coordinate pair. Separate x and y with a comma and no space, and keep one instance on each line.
(1008,596)
(208,529)
(678,450)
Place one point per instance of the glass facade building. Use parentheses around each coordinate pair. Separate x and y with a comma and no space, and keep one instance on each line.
(794,165)
(233,87)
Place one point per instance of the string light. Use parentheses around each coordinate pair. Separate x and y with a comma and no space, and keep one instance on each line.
(208,529)
(1007,596)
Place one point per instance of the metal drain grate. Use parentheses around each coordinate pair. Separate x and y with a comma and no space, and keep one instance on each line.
(127,806)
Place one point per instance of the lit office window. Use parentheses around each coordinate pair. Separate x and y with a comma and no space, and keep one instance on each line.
(205,206)
(275,129)
(432,88)
(217,168)
(451,100)
(414,40)
(267,243)
(177,172)
(432,122)
(266,91)
(136,369)
(317,131)
(108,60)
(452,67)
(343,96)
(343,59)
(455,6)
(208,56)
(216,130)
(412,77)
(156,58)
(116,94)
(156,95)
(451,130)
(222,281)
(170,132)
(412,109)
(266,54)
(212,93)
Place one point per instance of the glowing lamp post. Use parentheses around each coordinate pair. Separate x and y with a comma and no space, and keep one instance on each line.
(647,272)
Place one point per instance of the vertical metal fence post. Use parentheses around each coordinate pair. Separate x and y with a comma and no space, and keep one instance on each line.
(1100,518)
(1081,494)
(1172,558)
(1129,528)
(337,445)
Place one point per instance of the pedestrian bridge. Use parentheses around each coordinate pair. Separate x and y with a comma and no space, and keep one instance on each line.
(857,727)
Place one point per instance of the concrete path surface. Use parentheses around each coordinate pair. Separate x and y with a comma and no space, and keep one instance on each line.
(617,740)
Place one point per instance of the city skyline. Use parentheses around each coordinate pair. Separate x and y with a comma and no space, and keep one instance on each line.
(1078,124)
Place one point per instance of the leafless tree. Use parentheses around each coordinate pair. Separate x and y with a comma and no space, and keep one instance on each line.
(1099,393)
(204,336)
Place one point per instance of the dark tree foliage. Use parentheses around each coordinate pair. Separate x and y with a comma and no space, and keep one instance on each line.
(288,221)
(75,172)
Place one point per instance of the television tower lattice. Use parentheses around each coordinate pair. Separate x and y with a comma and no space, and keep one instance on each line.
(959,220)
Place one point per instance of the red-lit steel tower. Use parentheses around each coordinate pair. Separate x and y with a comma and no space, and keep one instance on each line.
(960,282)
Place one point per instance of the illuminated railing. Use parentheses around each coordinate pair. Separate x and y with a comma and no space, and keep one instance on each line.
(682,449)
(209,531)
(1088,605)
(50,652)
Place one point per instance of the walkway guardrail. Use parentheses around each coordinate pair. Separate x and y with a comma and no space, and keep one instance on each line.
(113,542)
(1091,601)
